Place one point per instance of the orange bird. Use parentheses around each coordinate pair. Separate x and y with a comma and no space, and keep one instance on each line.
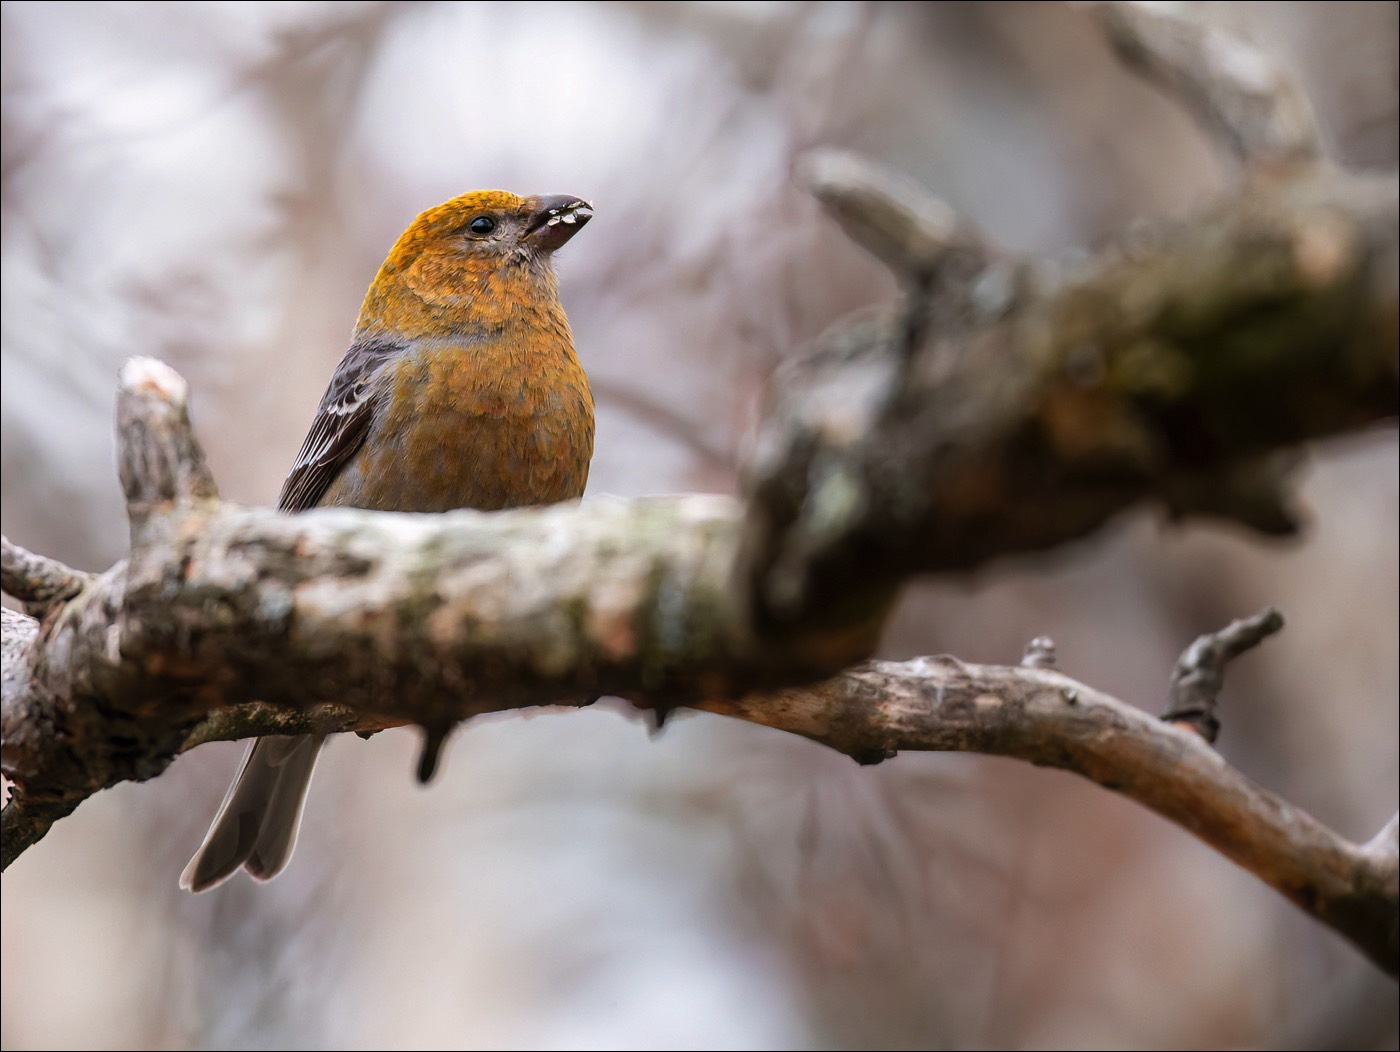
(461,389)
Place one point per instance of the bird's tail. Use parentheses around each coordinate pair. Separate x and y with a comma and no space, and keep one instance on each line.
(256,826)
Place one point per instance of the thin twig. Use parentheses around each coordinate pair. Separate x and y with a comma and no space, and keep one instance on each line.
(36,580)
(667,420)
(1199,675)
(167,463)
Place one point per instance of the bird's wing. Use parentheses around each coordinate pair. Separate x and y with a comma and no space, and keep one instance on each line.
(342,422)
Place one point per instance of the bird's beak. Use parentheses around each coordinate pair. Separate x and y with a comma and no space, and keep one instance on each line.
(555,219)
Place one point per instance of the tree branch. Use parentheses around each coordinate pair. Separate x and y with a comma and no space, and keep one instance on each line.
(1170,371)
(1043,717)
(1234,90)
(36,580)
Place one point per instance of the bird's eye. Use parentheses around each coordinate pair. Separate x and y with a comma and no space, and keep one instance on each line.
(482,225)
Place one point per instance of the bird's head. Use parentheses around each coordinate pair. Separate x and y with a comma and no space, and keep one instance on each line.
(472,259)
(494,227)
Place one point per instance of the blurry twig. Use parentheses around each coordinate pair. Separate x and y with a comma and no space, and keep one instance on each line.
(1236,91)
(666,420)
(894,218)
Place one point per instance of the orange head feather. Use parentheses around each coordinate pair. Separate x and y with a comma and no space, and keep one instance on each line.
(472,264)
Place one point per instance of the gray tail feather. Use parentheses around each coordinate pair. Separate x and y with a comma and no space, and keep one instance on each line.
(256,826)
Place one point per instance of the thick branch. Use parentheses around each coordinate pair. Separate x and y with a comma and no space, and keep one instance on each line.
(1039,403)
(256,718)
(869,713)
(435,619)
(400,618)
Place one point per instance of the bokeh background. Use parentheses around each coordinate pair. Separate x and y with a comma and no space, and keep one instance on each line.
(215,184)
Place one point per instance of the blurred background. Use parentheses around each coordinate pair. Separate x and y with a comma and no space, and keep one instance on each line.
(215,184)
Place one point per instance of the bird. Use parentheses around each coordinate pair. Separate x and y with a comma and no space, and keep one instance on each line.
(460,389)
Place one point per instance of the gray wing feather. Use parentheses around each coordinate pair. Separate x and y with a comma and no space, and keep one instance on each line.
(342,422)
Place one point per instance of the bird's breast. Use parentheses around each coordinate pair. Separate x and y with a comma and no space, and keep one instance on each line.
(490,425)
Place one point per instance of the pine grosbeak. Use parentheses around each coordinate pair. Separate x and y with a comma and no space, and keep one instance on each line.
(460,389)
